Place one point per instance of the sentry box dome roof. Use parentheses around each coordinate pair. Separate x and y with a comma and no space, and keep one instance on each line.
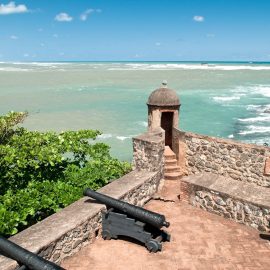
(163,96)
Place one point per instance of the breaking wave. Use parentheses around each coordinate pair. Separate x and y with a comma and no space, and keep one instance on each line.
(105,136)
(263,90)
(260,118)
(221,99)
(248,91)
(259,108)
(142,66)
(191,66)
(254,129)
(122,138)
(109,136)
(13,69)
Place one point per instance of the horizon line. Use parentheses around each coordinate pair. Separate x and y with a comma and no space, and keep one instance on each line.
(152,61)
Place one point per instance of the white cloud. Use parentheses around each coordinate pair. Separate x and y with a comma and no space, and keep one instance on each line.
(198,18)
(63,17)
(13,37)
(86,13)
(11,8)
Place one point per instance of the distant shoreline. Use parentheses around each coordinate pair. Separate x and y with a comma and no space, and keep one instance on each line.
(141,61)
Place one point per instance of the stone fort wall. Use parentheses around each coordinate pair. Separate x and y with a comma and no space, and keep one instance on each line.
(77,225)
(239,161)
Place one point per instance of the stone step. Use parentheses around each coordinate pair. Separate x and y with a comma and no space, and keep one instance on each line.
(172,176)
(168,153)
(173,168)
(171,162)
(168,149)
(170,157)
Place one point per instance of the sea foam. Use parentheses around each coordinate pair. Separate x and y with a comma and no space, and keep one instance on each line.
(260,118)
(191,66)
(221,99)
(105,136)
(255,89)
(263,90)
(255,129)
(13,69)
(122,138)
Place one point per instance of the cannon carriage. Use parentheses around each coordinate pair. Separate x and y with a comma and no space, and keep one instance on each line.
(124,219)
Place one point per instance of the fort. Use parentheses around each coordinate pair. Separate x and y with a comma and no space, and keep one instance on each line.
(192,173)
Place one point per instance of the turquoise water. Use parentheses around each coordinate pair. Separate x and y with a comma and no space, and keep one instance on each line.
(230,100)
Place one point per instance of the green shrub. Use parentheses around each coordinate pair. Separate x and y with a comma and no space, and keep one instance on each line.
(42,172)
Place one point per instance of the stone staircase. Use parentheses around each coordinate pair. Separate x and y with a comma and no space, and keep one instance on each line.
(171,170)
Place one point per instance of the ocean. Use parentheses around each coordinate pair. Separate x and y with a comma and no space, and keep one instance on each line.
(228,100)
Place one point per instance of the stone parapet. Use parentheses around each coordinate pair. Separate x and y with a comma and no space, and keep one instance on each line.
(239,161)
(242,202)
(148,151)
(64,233)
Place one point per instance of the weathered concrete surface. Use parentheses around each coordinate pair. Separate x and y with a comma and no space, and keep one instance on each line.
(65,232)
(243,202)
(200,240)
(239,161)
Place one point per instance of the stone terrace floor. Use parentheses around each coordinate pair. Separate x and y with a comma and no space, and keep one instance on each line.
(200,240)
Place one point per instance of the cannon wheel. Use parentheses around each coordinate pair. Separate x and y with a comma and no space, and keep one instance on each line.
(152,246)
(106,235)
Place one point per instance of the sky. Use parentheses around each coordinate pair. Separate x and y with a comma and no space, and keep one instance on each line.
(135,30)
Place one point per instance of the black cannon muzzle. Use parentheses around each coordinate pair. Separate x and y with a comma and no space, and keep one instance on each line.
(143,215)
(27,259)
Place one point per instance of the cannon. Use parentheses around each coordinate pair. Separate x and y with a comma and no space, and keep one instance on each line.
(26,259)
(124,219)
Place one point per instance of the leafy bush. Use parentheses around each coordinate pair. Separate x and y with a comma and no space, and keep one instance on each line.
(43,172)
(7,123)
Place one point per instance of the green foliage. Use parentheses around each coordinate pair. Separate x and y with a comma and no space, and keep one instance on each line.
(43,172)
(31,155)
(7,123)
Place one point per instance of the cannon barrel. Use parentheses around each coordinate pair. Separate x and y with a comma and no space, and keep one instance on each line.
(143,215)
(27,259)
